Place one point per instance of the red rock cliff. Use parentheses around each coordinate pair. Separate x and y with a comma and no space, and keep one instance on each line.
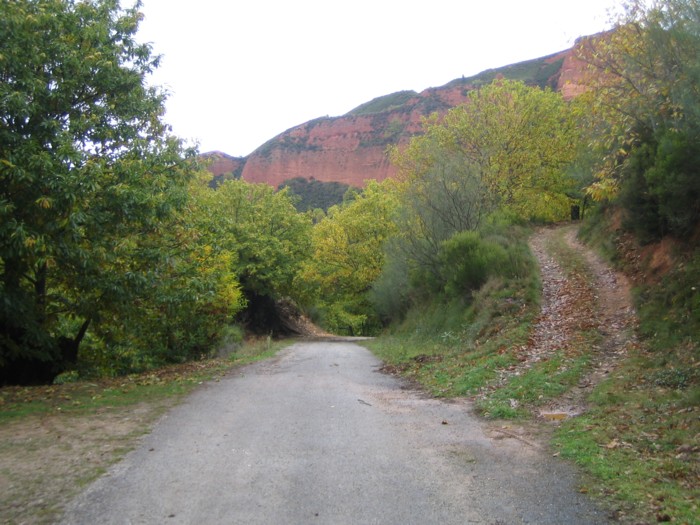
(221,164)
(352,149)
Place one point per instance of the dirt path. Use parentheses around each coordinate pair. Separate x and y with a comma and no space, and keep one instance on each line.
(583,295)
(319,435)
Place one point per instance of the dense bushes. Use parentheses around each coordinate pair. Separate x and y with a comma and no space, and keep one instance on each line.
(464,263)
(661,187)
(468,259)
(644,110)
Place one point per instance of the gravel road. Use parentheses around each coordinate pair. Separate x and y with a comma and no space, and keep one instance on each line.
(317,435)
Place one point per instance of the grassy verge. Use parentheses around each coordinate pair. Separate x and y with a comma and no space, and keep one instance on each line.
(458,348)
(641,439)
(640,444)
(85,397)
(518,395)
(56,439)
(471,349)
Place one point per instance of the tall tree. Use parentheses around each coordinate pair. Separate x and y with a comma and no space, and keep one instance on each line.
(348,256)
(506,148)
(643,90)
(88,170)
(268,239)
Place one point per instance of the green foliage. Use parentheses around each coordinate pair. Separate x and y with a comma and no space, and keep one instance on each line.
(312,194)
(89,177)
(537,72)
(544,381)
(287,142)
(670,311)
(347,257)
(110,251)
(261,239)
(643,94)
(642,422)
(674,182)
(456,346)
(467,261)
(660,190)
(503,156)
(507,149)
(391,294)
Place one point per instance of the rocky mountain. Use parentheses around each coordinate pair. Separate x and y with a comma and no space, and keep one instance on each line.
(352,148)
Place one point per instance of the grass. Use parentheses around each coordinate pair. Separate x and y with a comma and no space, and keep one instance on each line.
(383,103)
(638,443)
(545,381)
(457,348)
(89,396)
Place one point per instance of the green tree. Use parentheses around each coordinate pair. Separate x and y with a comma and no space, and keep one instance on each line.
(507,148)
(348,256)
(193,296)
(268,239)
(643,93)
(314,194)
(89,176)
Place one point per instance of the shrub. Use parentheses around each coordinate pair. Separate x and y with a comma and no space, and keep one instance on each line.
(661,189)
(467,261)
(470,258)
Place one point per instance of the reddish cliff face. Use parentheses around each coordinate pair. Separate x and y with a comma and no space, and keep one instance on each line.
(571,78)
(352,149)
(220,164)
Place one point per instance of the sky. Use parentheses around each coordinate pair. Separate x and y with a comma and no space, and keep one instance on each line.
(240,72)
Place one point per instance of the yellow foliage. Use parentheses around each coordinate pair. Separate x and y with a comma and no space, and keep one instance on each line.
(508,146)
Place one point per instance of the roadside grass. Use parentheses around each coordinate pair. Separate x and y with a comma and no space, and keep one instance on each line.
(638,443)
(457,348)
(545,381)
(517,395)
(468,349)
(56,439)
(640,440)
(83,397)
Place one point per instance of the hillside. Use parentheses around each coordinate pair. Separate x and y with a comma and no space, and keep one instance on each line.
(351,148)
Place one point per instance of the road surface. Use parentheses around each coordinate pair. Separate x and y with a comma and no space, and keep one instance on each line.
(318,435)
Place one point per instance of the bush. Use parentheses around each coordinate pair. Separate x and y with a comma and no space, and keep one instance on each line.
(230,340)
(390,293)
(661,189)
(674,180)
(467,261)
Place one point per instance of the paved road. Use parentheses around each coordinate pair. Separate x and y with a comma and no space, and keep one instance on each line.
(318,435)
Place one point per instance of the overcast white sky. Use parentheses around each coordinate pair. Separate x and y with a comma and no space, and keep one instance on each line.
(241,72)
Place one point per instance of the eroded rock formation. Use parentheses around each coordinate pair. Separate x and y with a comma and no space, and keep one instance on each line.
(352,148)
